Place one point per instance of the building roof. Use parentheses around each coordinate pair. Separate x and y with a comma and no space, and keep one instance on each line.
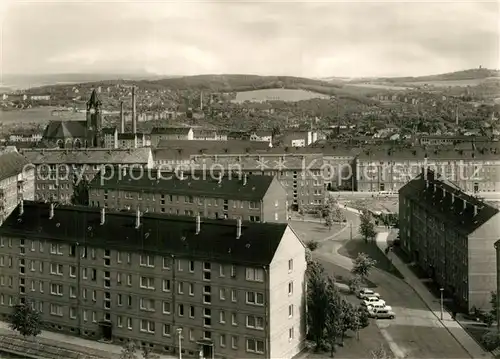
(126,136)
(89,156)
(446,200)
(158,234)
(170,130)
(94,101)
(419,153)
(109,130)
(65,129)
(194,147)
(149,180)
(11,164)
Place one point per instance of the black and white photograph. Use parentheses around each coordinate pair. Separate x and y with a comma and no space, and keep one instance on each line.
(266,179)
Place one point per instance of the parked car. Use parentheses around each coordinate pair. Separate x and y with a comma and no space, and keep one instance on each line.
(372,300)
(379,305)
(383,313)
(365,293)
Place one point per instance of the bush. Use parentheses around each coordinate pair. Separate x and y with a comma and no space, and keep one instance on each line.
(490,341)
(312,245)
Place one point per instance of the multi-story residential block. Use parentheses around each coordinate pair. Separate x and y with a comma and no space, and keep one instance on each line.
(434,140)
(23,137)
(55,170)
(170,133)
(209,135)
(110,135)
(389,169)
(131,140)
(451,236)
(262,136)
(299,138)
(206,288)
(299,171)
(16,181)
(250,198)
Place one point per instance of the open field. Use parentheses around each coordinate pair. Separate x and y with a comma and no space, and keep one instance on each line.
(452,83)
(378,86)
(39,114)
(277,95)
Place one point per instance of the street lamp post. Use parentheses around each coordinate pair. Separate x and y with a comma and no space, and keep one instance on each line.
(441,290)
(179,333)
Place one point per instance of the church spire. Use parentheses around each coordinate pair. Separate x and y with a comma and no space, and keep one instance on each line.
(94,101)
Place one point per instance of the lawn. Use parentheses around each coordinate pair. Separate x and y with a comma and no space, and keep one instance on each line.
(318,232)
(353,247)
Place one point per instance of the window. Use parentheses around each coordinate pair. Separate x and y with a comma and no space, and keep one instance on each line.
(180,310)
(255,274)
(290,265)
(255,346)
(179,265)
(191,311)
(166,285)
(234,319)
(222,340)
(56,289)
(255,298)
(129,323)
(234,342)
(56,310)
(119,321)
(166,307)
(167,263)
(147,326)
(191,289)
(222,294)
(290,333)
(147,283)
(255,322)
(290,288)
(180,287)
(207,335)
(233,271)
(253,205)
(147,261)
(72,271)
(72,292)
(221,271)
(129,279)
(56,269)
(167,329)
(222,317)
(55,249)
(147,304)
(72,313)
(234,295)
(290,311)
(191,266)
(119,300)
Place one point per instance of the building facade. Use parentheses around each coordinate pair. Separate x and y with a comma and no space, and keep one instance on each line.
(209,135)
(251,198)
(55,170)
(170,133)
(228,289)
(17,181)
(451,236)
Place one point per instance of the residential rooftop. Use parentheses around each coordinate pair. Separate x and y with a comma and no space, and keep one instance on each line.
(88,156)
(157,234)
(249,187)
(170,130)
(201,146)
(447,200)
(11,164)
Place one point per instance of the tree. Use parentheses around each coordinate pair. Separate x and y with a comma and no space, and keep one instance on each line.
(129,351)
(362,265)
(80,196)
(331,212)
(318,300)
(367,227)
(355,283)
(148,354)
(494,304)
(332,315)
(361,320)
(25,320)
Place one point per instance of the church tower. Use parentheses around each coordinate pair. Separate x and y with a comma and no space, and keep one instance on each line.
(94,121)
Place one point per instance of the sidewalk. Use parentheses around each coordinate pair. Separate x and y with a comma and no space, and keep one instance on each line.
(468,343)
(79,344)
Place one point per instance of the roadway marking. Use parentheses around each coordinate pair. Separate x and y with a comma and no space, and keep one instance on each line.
(396,350)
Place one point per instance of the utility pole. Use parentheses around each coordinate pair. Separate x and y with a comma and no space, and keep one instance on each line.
(441,290)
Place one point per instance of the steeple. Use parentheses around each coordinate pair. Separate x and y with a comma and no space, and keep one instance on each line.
(94,102)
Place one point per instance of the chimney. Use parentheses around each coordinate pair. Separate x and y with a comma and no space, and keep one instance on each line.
(21,207)
(134,115)
(219,179)
(122,118)
(138,218)
(453,198)
(103,216)
(181,175)
(198,224)
(51,213)
(465,204)
(238,228)
(475,210)
(245,179)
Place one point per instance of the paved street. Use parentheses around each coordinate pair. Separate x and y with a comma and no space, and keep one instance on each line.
(416,333)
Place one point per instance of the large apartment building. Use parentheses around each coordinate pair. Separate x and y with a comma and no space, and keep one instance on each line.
(451,236)
(17,179)
(474,170)
(229,289)
(250,198)
(55,169)
(300,172)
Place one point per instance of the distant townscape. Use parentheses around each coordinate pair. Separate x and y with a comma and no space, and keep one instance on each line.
(235,216)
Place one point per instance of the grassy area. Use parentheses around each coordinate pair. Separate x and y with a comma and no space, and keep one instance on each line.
(352,248)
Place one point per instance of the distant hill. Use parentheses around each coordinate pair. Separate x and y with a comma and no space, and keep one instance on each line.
(471,74)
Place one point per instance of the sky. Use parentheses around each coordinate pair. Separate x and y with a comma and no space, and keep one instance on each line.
(307,38)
